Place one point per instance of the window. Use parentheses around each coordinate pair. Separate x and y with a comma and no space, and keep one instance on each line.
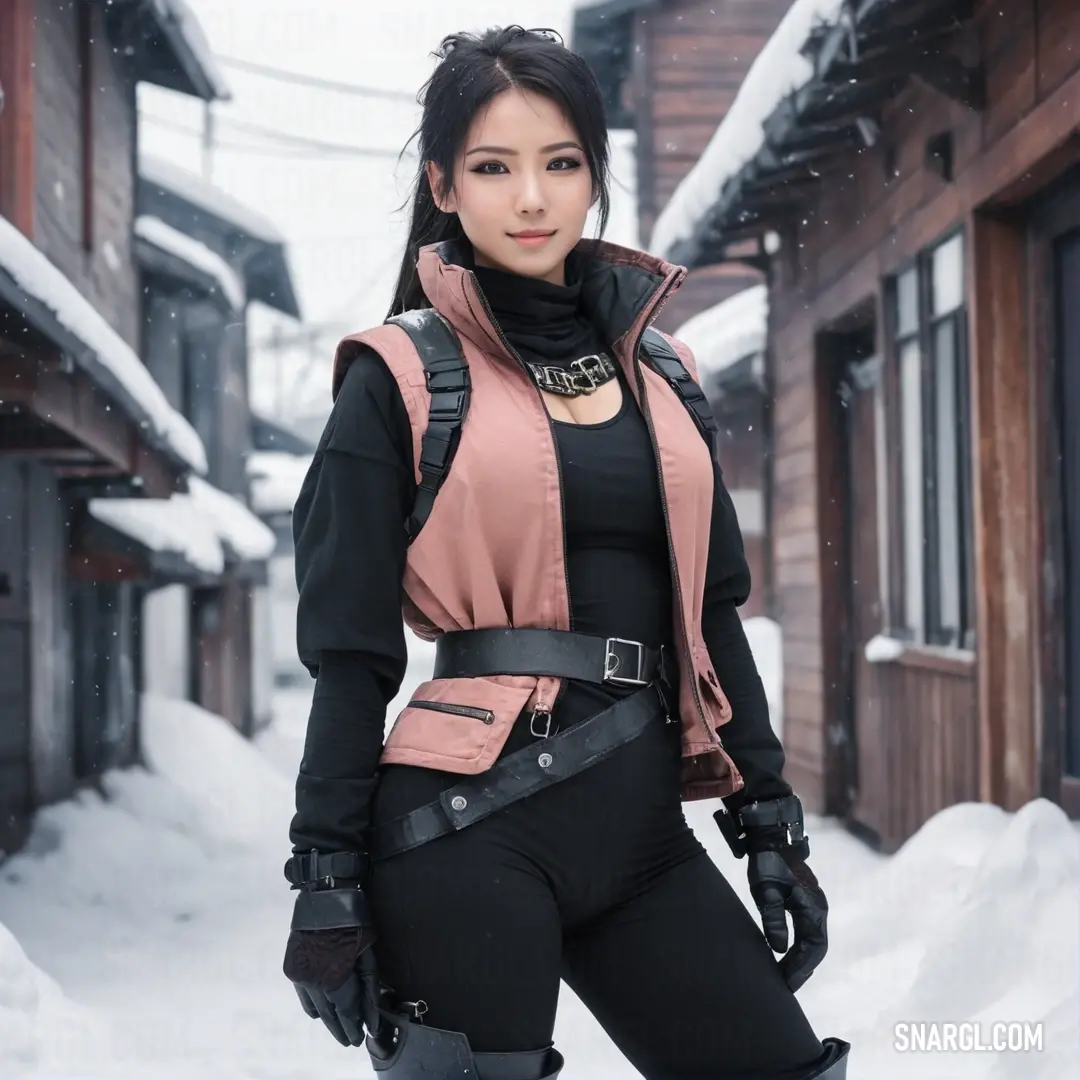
(931,426)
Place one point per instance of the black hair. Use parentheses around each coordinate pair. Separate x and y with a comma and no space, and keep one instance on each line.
(473,69)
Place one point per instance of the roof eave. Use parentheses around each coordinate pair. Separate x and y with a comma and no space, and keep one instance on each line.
(755,198)
(36,316)
(161,54)
(602,33)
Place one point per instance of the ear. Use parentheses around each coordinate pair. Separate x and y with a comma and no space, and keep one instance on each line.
(446,203)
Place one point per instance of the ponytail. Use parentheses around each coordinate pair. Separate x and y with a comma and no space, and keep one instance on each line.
(428,225)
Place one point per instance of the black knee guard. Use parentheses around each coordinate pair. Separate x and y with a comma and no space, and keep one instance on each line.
(418,1052)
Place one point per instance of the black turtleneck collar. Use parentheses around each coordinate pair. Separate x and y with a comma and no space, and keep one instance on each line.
(545,323)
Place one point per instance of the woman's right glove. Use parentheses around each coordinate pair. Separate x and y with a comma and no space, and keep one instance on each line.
(329,959)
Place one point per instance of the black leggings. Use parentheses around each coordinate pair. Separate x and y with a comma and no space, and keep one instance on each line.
(598,881)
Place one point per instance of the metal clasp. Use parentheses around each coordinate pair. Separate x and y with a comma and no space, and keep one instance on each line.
(547,725)
(612,663)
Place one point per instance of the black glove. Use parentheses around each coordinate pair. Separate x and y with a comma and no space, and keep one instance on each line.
(771,835)
(330,962)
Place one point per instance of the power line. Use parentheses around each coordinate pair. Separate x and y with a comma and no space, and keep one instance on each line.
(303,141)
(292,146)
(282,75)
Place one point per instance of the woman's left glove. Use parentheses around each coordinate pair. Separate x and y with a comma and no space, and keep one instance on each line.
(329,958)
(771,835)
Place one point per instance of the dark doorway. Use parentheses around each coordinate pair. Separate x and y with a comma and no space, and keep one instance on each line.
(15,778)
(1067,303)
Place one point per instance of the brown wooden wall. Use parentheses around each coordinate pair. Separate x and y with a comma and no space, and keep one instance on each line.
(866,222)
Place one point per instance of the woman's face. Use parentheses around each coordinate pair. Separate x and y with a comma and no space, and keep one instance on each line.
(521,187)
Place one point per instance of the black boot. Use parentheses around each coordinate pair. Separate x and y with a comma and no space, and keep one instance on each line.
(833,1065)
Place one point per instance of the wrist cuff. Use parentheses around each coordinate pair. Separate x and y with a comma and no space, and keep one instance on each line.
(330,909)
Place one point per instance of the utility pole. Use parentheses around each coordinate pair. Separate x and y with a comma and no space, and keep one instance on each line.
(208,143)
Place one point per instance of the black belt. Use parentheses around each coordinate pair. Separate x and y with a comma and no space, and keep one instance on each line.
(525,772)
(466,654)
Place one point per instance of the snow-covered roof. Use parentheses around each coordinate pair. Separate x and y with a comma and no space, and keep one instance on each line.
(276,478)
(233,522)
(165,525)
(726,333)
(42,294)
(196,254)
(779,70)
(208,197)
(202,527)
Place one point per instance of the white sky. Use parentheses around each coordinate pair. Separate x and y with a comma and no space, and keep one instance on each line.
(338,214)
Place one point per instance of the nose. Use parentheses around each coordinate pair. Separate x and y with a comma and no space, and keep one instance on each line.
(530,194)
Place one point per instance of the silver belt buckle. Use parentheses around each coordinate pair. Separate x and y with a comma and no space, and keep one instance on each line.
(612,662)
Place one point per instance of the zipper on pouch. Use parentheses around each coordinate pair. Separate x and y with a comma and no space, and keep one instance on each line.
(485,715)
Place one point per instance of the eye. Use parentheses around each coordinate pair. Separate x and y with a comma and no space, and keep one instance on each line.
(564,164)
(489,168)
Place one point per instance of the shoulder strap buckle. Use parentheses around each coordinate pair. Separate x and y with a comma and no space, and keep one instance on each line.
(664,360)
(446,375)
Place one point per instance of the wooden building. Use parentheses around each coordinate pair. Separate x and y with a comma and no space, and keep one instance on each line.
(915,203)
(80,417)
(670,70)
(204,257)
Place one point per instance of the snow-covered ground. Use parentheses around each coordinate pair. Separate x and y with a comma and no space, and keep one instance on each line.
(141,932)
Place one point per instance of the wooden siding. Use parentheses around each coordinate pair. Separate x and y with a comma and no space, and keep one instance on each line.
(106,274)
(17,115)
(693,57)
(875,210)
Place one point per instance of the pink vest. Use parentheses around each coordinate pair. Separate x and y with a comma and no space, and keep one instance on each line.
(491,553)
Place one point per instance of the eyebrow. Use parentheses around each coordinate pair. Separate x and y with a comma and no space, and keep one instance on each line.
(508,151)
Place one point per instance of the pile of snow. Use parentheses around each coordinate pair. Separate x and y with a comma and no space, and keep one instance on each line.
(164,525)
(276,478)
(40,280)
(196,254)
(193,189)
(725,333)
(233,522)
(779,70)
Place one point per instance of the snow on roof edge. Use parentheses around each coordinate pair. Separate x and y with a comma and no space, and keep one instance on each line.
(164,525)
(723,334)
(36,276)
(233,520)
(196,254)
(208,197)
(779,70)
(194,36)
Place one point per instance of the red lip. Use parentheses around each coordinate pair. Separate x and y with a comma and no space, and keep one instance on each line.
(532,233)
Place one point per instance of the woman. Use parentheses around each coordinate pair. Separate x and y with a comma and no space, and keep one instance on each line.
(580,569)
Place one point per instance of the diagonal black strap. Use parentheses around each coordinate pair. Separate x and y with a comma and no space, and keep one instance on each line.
(447,374)
(537,651)
(664,360)
(538,766)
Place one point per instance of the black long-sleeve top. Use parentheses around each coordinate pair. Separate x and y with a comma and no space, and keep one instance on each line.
(350,558)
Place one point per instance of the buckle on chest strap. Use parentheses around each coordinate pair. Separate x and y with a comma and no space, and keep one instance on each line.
(613,663)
